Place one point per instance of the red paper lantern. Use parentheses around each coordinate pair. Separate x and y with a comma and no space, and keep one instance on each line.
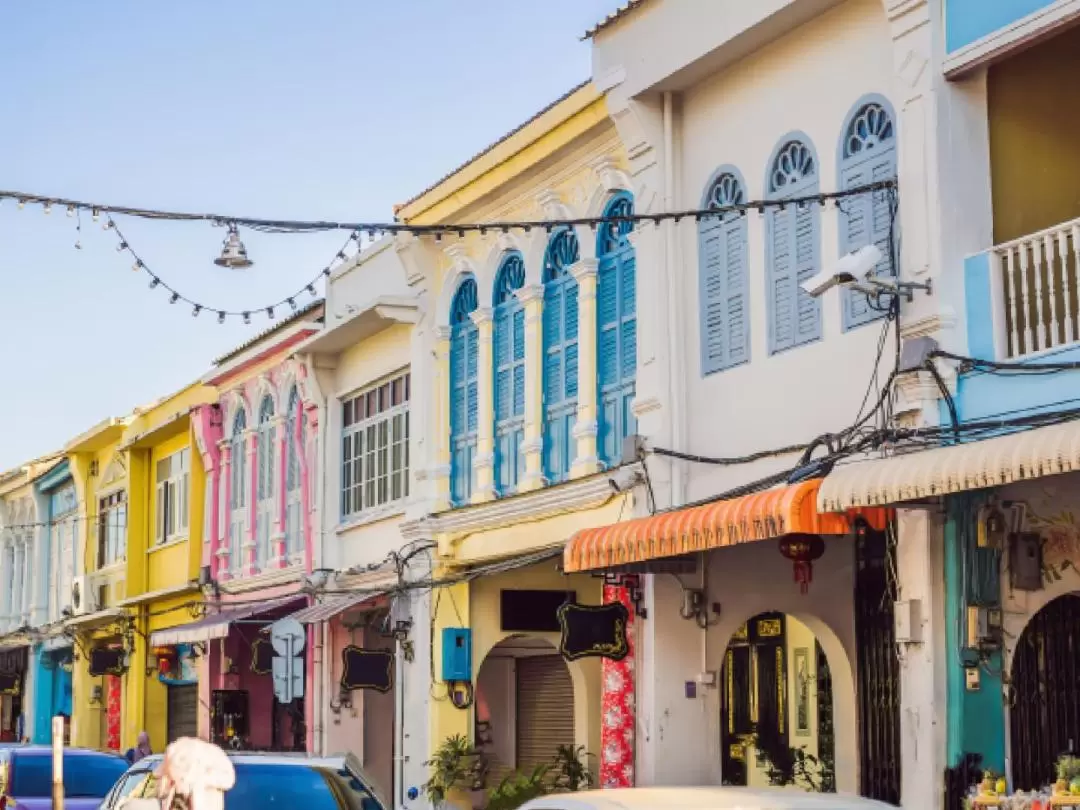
(164,665)
(802,550)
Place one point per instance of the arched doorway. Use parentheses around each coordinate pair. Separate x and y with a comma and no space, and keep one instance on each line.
(524,706)
(776,703)
(1044,715)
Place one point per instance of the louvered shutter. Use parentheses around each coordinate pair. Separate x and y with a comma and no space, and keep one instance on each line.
(518,404)
(545,710)
(866,219)
(560,374)
(473,364)
(183,712)
(808,308)
(781,280)
(724,320)
(628,306)
(570,336)
(503,368)
(457,382)
(607,309)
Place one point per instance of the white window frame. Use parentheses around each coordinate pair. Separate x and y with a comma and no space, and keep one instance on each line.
(172,479)
(369,482)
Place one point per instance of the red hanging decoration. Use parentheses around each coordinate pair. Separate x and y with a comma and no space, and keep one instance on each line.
(802,550)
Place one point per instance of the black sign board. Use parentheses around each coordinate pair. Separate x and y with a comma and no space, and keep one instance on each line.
(367,669)
(594,631)
(9,684)
(106,661)
(262,654)
(523,611)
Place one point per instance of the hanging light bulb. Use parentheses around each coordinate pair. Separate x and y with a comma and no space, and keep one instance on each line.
(195,312)
(48,208)
(311,289)
(220,317)
(121,247)
(154,282)
(22,204)
(135,268)
(247,317)
(71,210)
(174,298)
(292,304)
(95,214)
(270,313)
(233,253)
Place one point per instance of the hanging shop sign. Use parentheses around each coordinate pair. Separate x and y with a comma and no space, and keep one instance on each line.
(262,656)
(106,661)
(9,683)
(594,631)
(366,669)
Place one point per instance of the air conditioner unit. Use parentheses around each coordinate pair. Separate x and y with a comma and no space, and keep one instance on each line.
(83,600)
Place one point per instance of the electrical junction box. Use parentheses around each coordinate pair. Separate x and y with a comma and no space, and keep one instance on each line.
(907,618)
(1025,561)
(457,654)
(983,627)
(971,679)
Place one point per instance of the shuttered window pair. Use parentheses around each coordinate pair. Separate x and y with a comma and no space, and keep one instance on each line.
(464,376)
(792,241)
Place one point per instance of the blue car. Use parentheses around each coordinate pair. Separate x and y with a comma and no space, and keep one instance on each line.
(266,781)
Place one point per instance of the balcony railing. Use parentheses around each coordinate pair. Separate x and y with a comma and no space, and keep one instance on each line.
(1034,282)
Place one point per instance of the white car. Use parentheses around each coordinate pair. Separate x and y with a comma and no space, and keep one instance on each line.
(703,798)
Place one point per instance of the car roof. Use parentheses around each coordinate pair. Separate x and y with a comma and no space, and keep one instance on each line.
(43,750)
(264,758)
(703,798)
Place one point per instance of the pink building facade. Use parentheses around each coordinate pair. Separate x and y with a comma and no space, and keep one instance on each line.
(258,444)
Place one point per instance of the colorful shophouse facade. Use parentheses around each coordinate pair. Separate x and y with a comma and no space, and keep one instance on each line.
(255,442)
(19,533)
(526,361)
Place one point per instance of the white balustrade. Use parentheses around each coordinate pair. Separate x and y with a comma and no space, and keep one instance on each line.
(1038,276)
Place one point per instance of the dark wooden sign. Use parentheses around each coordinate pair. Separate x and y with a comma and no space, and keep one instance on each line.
(262,655)
(367,669)
(106,661)
(593,631)
(9,683)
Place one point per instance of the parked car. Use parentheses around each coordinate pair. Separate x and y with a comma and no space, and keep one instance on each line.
(704,798)
(26,777)
(268,781)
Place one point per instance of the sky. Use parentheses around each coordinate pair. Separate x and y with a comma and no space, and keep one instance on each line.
(330,109)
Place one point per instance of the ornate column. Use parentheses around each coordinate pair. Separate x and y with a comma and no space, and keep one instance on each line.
(585,459)
(441,427)
(278,555)
(220,549)
(251,447)
(617,705)
(308,454)
(25,549)
(7,580)
(484,463)
(532,298)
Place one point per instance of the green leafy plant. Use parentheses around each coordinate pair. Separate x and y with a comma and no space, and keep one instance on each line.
(572,772)
(1068,767)
(452,767)
(515,789)
(785,765)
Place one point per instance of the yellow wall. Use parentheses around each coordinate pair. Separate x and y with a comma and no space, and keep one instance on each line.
(177,562)
(1033,124)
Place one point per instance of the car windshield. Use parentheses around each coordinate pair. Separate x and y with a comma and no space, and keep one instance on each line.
(267,785)
(85,776)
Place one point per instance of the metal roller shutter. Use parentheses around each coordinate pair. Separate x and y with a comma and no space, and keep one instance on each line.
(545,710)
(183,707)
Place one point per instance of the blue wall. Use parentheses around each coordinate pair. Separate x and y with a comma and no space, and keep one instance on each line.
(52,693)
(967,21)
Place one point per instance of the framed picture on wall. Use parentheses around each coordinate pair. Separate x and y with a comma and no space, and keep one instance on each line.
(802,691)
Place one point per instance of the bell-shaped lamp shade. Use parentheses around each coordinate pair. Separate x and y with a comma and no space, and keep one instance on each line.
(233,253)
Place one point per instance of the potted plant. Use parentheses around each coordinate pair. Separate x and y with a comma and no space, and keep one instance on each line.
(1068,775)
(515,789)
(572,771)
(452,773)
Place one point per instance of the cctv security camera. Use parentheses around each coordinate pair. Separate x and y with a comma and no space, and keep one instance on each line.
(825,281)
(848,272)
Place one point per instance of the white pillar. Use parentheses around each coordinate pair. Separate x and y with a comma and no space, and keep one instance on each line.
(532,298)
(441,426)
(7,571)
(585,459)
(919,562)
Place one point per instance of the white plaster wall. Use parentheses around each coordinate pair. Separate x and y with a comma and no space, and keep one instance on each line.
(737,117)
(375,272)
(681,735)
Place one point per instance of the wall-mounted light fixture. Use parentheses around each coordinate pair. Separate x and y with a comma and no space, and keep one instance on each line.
(344,701)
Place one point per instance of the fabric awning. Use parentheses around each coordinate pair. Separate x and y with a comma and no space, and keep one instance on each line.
(215,625)
(761,516)
(313,614)
(929,473)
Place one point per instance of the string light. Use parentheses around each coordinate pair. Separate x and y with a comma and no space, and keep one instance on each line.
(195,311)
(221,316)
(71,210)
(48,208)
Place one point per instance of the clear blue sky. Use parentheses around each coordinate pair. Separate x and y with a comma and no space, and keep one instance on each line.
(331,108)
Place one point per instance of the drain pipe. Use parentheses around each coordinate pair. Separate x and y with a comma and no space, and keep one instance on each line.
(674,289)
(399,724)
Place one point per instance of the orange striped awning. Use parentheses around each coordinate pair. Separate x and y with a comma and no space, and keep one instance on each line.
(761,516)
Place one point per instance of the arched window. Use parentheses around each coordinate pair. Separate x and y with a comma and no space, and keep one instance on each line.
(616,322)
(294,445)
(560,353)
(723,276)
(264,510)
(509,356)
(792,246)
(867,155)
(464,362)
(238,492)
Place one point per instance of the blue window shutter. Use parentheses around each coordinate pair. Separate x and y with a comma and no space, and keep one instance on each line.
(792,249)
(509,357)
(617,339)
(464,347)
(473,349)
(723,278)
(868,155)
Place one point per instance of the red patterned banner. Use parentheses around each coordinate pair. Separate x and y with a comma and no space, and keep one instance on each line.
(112,713)
(618,706)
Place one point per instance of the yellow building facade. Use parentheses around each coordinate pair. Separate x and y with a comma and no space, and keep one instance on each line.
(505,499)
(140,552)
